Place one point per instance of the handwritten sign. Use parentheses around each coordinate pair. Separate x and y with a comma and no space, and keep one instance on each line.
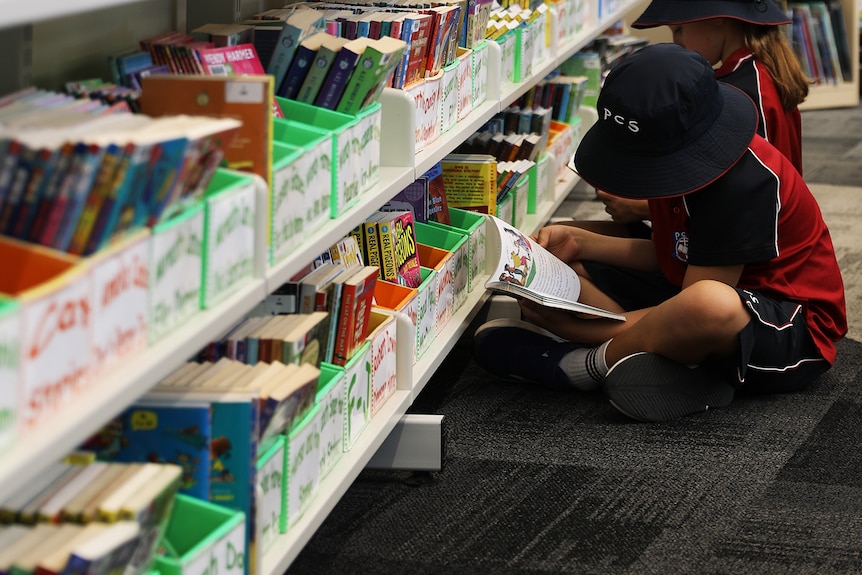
(357,395)
(368,129)
(303,471)
(120,299)
(507,48)
(229,241)
(225,556)
(10,362)
(384,346)
(449,98)
(348,169)
(331,402)
(289,201)
(460,266)
(480,73)
(427,96)
(426,311)
(176,264)
(57,340)
(477,256)
(270,502)
(465,82)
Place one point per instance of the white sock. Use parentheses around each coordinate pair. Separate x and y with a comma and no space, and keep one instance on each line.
(586,367)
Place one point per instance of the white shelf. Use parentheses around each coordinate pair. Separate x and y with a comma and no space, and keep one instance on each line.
(401,165)
(288,545)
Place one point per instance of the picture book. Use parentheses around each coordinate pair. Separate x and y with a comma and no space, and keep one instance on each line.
(342,67)
(246,98)
(524,269)
(305,341)
(372,73)
(416,32)
(399,260)
(301,24)
(326,47)
(161,433)
(286,399)
(107,552)
(356,299)
(470,181)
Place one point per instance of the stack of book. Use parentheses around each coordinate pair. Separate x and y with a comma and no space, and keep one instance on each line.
(88,518)
(73,177)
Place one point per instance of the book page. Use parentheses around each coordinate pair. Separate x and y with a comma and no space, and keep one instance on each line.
(524,263)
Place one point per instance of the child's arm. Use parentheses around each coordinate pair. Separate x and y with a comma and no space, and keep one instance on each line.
(572,244)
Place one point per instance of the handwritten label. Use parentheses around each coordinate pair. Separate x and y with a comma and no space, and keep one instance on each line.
(384,380)
(477,256)
(357,400)
(175,267)
(528,51)
(57,347)
(303,467)
(315,167)
(349,169)
(10,362)
(289,202)
(459,263)
(465,84)
(331,424)
(426,313)
(229,242)
(224,557)
(426,97)
(449,95)
(270,496)
(508,49)
(120,304)
(444,290)
(480,73)
(369,139)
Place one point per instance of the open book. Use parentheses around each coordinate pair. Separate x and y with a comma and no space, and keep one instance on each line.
(524,269)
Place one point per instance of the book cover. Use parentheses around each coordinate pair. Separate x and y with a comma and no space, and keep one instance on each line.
(386,246)
(316,282)
(327,48)
(247,98)
(336,79)
(525,269)
(301,24)
(73,195)
(103,185)
(356,299)
(371,241)
(407,267)
(298,70)
(158,433)
(105,554)
(416,32)
(372,73)
(470,181)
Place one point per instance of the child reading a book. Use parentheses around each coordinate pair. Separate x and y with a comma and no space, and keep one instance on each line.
(746,38)
(738,288)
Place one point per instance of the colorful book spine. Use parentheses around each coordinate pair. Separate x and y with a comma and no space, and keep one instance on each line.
(371,241)
(385,234)
(336,80)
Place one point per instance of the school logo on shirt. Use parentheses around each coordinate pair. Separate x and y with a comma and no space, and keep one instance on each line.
(680,246)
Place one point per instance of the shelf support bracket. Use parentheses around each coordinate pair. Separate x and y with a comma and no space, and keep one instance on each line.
(416,443)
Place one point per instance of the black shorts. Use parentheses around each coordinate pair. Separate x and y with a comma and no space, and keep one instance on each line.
(776,351)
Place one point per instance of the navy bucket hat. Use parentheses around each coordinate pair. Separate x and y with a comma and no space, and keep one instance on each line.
(669,12)
(666,126)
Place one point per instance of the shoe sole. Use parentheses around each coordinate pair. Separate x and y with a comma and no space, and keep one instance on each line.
(517,324)
(650,388)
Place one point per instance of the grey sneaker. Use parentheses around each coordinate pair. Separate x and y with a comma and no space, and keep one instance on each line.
(648,387)
(517,350)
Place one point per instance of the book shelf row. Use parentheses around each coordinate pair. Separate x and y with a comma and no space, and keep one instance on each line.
(401,162)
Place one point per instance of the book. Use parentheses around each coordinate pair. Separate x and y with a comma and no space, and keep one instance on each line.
(305,341)
(398,257)
(524,269)
(51,510)
(295,75)
(245,98)
(371,241)
(74,507)
(315,283)
(89,512)
(357,294)
(339,73)
(25,563)
(286,399)
(53,562)
(23,543)
(301,24)
(326,48)
(106,552)
(372,73)
(470,182)
(415,32)
(160,433)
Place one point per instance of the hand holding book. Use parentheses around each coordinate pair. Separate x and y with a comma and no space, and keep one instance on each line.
(522,268)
